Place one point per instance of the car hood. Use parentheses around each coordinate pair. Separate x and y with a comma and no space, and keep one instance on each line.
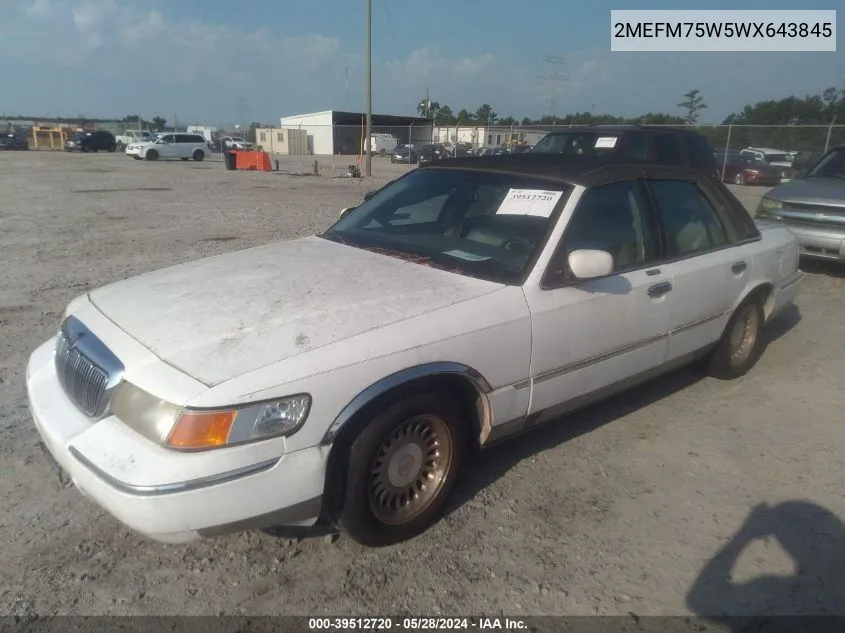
(829,192)
(221,317)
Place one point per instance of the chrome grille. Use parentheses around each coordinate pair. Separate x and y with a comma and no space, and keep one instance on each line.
(83,382)
(87,370)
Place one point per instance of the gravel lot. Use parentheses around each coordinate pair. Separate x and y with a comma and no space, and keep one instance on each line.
(622,508)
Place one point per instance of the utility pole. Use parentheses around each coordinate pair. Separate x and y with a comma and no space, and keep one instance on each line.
(369,90)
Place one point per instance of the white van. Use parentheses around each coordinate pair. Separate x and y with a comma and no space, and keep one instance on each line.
(383,144)
(183,146)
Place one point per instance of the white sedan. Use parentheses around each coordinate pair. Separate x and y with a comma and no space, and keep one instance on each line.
(344,377)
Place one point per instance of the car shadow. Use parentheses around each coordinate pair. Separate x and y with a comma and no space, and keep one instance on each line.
(823,267)
(813,537)
(492,463)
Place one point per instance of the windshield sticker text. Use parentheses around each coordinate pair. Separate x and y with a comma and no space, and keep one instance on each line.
(529,202)
(607,142)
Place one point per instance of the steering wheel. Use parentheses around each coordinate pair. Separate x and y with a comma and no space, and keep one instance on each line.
(518,245)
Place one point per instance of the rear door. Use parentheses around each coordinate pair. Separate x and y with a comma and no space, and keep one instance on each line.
(708,270)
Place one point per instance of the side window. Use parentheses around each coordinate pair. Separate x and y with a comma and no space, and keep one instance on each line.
(613,218)
(667,149)
(700,151)
(196,138)
(182,138)
(635,146)
(167,138)
(689,222)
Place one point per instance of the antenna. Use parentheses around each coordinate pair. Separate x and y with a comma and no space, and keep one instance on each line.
(553,78)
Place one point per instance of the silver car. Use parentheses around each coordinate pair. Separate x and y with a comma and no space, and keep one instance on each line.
(812,207)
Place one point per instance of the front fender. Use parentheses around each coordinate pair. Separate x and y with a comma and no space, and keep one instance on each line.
(398,379)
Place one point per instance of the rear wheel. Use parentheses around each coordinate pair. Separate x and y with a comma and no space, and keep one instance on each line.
(742,342)
(401,469)
(152,155)
(739,178)
(198,155)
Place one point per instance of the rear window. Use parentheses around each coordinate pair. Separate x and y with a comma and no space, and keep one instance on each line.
(777,158)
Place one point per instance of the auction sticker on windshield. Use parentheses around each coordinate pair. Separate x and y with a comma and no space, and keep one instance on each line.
(529,202)
(606,142)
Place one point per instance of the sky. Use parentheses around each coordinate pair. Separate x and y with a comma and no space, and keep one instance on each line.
(216,61)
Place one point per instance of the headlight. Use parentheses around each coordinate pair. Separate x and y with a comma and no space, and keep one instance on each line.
(200,429)
(191,429)
(150,416)
(768,205)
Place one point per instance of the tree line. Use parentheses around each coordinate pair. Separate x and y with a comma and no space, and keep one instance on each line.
(822,110)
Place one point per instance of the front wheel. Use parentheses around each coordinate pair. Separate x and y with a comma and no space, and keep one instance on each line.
(198,155)
(152,155)
(741,344)
(739,179)
(401,469)
(112,147)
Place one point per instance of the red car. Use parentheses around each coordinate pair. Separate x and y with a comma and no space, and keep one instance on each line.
(742,170)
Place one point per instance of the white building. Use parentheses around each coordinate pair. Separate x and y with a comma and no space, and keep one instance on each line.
(337,132)
(492,136)
(207,132)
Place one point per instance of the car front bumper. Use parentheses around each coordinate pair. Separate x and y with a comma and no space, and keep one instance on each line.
(820,243)
(134,479)
(134,151)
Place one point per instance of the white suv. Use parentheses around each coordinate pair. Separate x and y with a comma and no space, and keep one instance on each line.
(184,146)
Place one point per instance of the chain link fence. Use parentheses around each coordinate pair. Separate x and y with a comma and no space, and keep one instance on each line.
(335,148)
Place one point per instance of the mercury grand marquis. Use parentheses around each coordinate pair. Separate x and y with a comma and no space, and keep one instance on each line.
(345,377)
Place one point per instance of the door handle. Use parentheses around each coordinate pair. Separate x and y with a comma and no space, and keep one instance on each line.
(652,272)
(739,267)
(658,290)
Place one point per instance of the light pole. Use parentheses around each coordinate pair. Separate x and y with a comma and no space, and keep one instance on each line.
(369,89)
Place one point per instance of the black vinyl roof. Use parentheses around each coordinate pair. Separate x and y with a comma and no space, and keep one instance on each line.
(588,171)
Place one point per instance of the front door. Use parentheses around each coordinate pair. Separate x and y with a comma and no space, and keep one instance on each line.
(167,147)
(592,334)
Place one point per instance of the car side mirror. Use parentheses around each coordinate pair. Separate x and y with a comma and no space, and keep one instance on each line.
(590,264)
(369,195)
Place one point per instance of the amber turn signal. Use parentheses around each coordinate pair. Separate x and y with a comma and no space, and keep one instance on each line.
(201,429)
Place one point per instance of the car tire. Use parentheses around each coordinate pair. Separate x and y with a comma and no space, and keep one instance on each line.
(739,179)
(382,153)
(151,155)
(199,155)
(401,469)
(742,342)
(112,147)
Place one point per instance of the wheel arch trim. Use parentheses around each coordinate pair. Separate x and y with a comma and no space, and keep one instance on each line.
(398,379)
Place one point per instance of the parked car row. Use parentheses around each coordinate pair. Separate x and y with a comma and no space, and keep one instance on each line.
(13,141)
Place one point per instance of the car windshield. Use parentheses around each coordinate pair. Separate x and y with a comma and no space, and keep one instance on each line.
(482,224)
(831,166)
(576,143)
